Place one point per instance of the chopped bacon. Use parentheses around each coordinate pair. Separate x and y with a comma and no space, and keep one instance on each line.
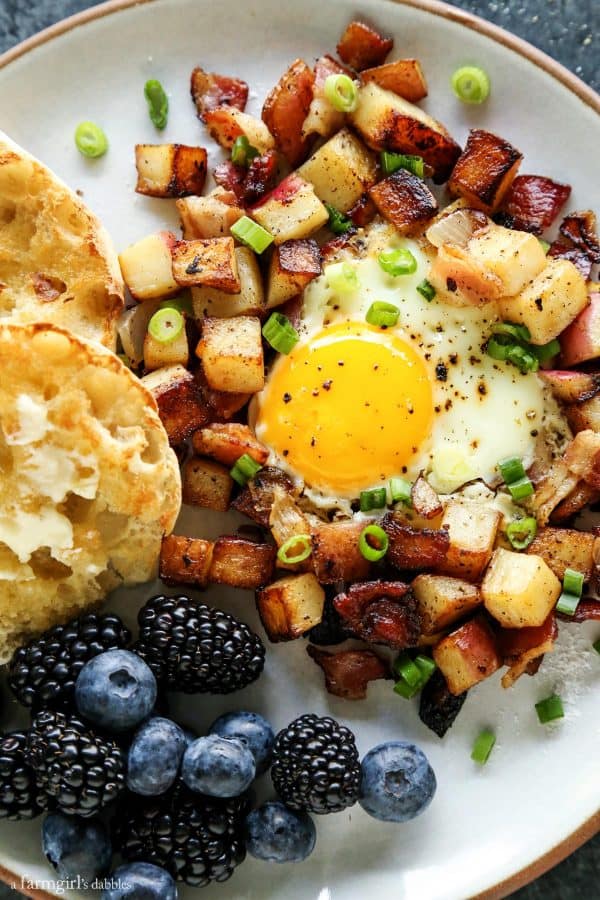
(210,91)
(362,47)
(412,548)
(577,255)
(363,212)
(579,241)
(514,642)
(256,499)
(581,496)
(424,499)
(588,610)
(381,612)
(251,184)
(231,178)
(334,245)
(348,672)
(286,109)
(533,202)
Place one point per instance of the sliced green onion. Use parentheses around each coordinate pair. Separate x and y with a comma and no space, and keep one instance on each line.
(521,532)
(567,603)
(596,646)
(408,670)
(400,490)
(382,314)
(341,92)
(182,304)
(251,234)
(166,325)
(426,667)
(242,152)
(573,582)
(302,541)
(338,222)
(520,332)
(497,349)
(521,489)
(426,289)
(483,747)
(523,359)
(342,278)
(397,262)
(545,245)
(90,140)
(376,550)
(471,84)
(549,709)
(244,469)
(280,333)
(511,469)
(373,499)
(391,162)
(158,102)
(405,690)
(544,352)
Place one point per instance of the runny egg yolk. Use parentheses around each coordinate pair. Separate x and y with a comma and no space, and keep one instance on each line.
(348,409)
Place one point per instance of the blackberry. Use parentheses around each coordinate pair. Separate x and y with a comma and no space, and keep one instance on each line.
(193,648)
(20,798)
(316,766)
(197,839)
(43,672)
(79,770)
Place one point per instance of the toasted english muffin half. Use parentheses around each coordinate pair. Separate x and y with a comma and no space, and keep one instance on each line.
(88,482)
(57,262)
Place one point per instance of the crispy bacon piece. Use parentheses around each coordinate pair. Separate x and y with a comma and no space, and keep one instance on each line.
(577,255)
(381,612)
(438,707)
(348,672)
(333,246)
(362,47)
(256,499)
(227,441)
(363,212)
(579,241)
(588,610)
(210,91)
(231,178)
(533,202)
(524,648)
(286,108)
(412,548)
(424,499)
(251,184)
(336,554)
(580,497)
(223,406)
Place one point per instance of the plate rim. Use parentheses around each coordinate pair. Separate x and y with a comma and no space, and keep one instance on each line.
(575,85)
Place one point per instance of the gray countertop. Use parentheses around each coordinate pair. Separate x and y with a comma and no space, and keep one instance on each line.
(568,30)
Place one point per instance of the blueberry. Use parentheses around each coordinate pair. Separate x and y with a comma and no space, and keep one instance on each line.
(276,834)
(397,782)
(219,767)
(155,753)
(252,730)
(139,881)
(76,847)
(115,690)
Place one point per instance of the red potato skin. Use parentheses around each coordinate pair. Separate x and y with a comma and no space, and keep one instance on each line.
(513,642)
(476,643)
(362,47)
(285,110)
(285,191)
(572,387)
(580,342)
(533,202)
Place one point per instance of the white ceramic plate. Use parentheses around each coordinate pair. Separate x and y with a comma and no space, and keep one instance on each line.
(542,784)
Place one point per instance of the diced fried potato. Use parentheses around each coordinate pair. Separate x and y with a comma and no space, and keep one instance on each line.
(226,124)
(323,118)
(336,555)
(240,563)
(386,121)
(565,548)
(293,265)
(403,76)
(467,656)
(515,257)
(286,521)
(461,280)
(519,589)
(424,499)
(146,267)
(232,354)
(290,607)
(286,109)
(160,354)
(340,171)
(250,301)
(185,560)
(180,402)
(170,170)
(211,91)
(582,457)
(291,211)
(556,483)
(227,441)
(485,170)
(206,483)
(211,262)
(580,342)
(549,303)
(208,217)
(472,531)
(405,201)
(572,387)
(361,46)
(443,601)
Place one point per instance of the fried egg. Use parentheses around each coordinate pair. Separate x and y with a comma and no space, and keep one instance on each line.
(353,405)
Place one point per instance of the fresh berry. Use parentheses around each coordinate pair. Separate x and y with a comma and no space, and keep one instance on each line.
(277,834)
(154,757)
(139,881)
(397,782)
(218,767)
(43,672)
(252,730)
(315,765)
(193,648)
(79,770)
(197,839)
(76,847)
(20,798)
(115,690)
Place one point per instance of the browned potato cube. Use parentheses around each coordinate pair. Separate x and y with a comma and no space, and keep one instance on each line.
(285,109)
(405,201)
(290,607)
(208,217)
(161,354)
(443,601)
(565,548)
(206,483)
(250,301)
(425,501)
(467,656)
(361,46)
(580,497)
(403,76)
(472,531)
(146,267)
(227,441)
(291,211)
(241,564)
(232,354)
(226,124)
(185,560)
(180,402)
(210,262)
(336,555)
(170,170)
(519,589)
(485,170)
(293,265)
(341,170)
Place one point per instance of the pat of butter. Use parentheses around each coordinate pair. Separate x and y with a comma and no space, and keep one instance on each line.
(33,421)
(25,532)
(53,472)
